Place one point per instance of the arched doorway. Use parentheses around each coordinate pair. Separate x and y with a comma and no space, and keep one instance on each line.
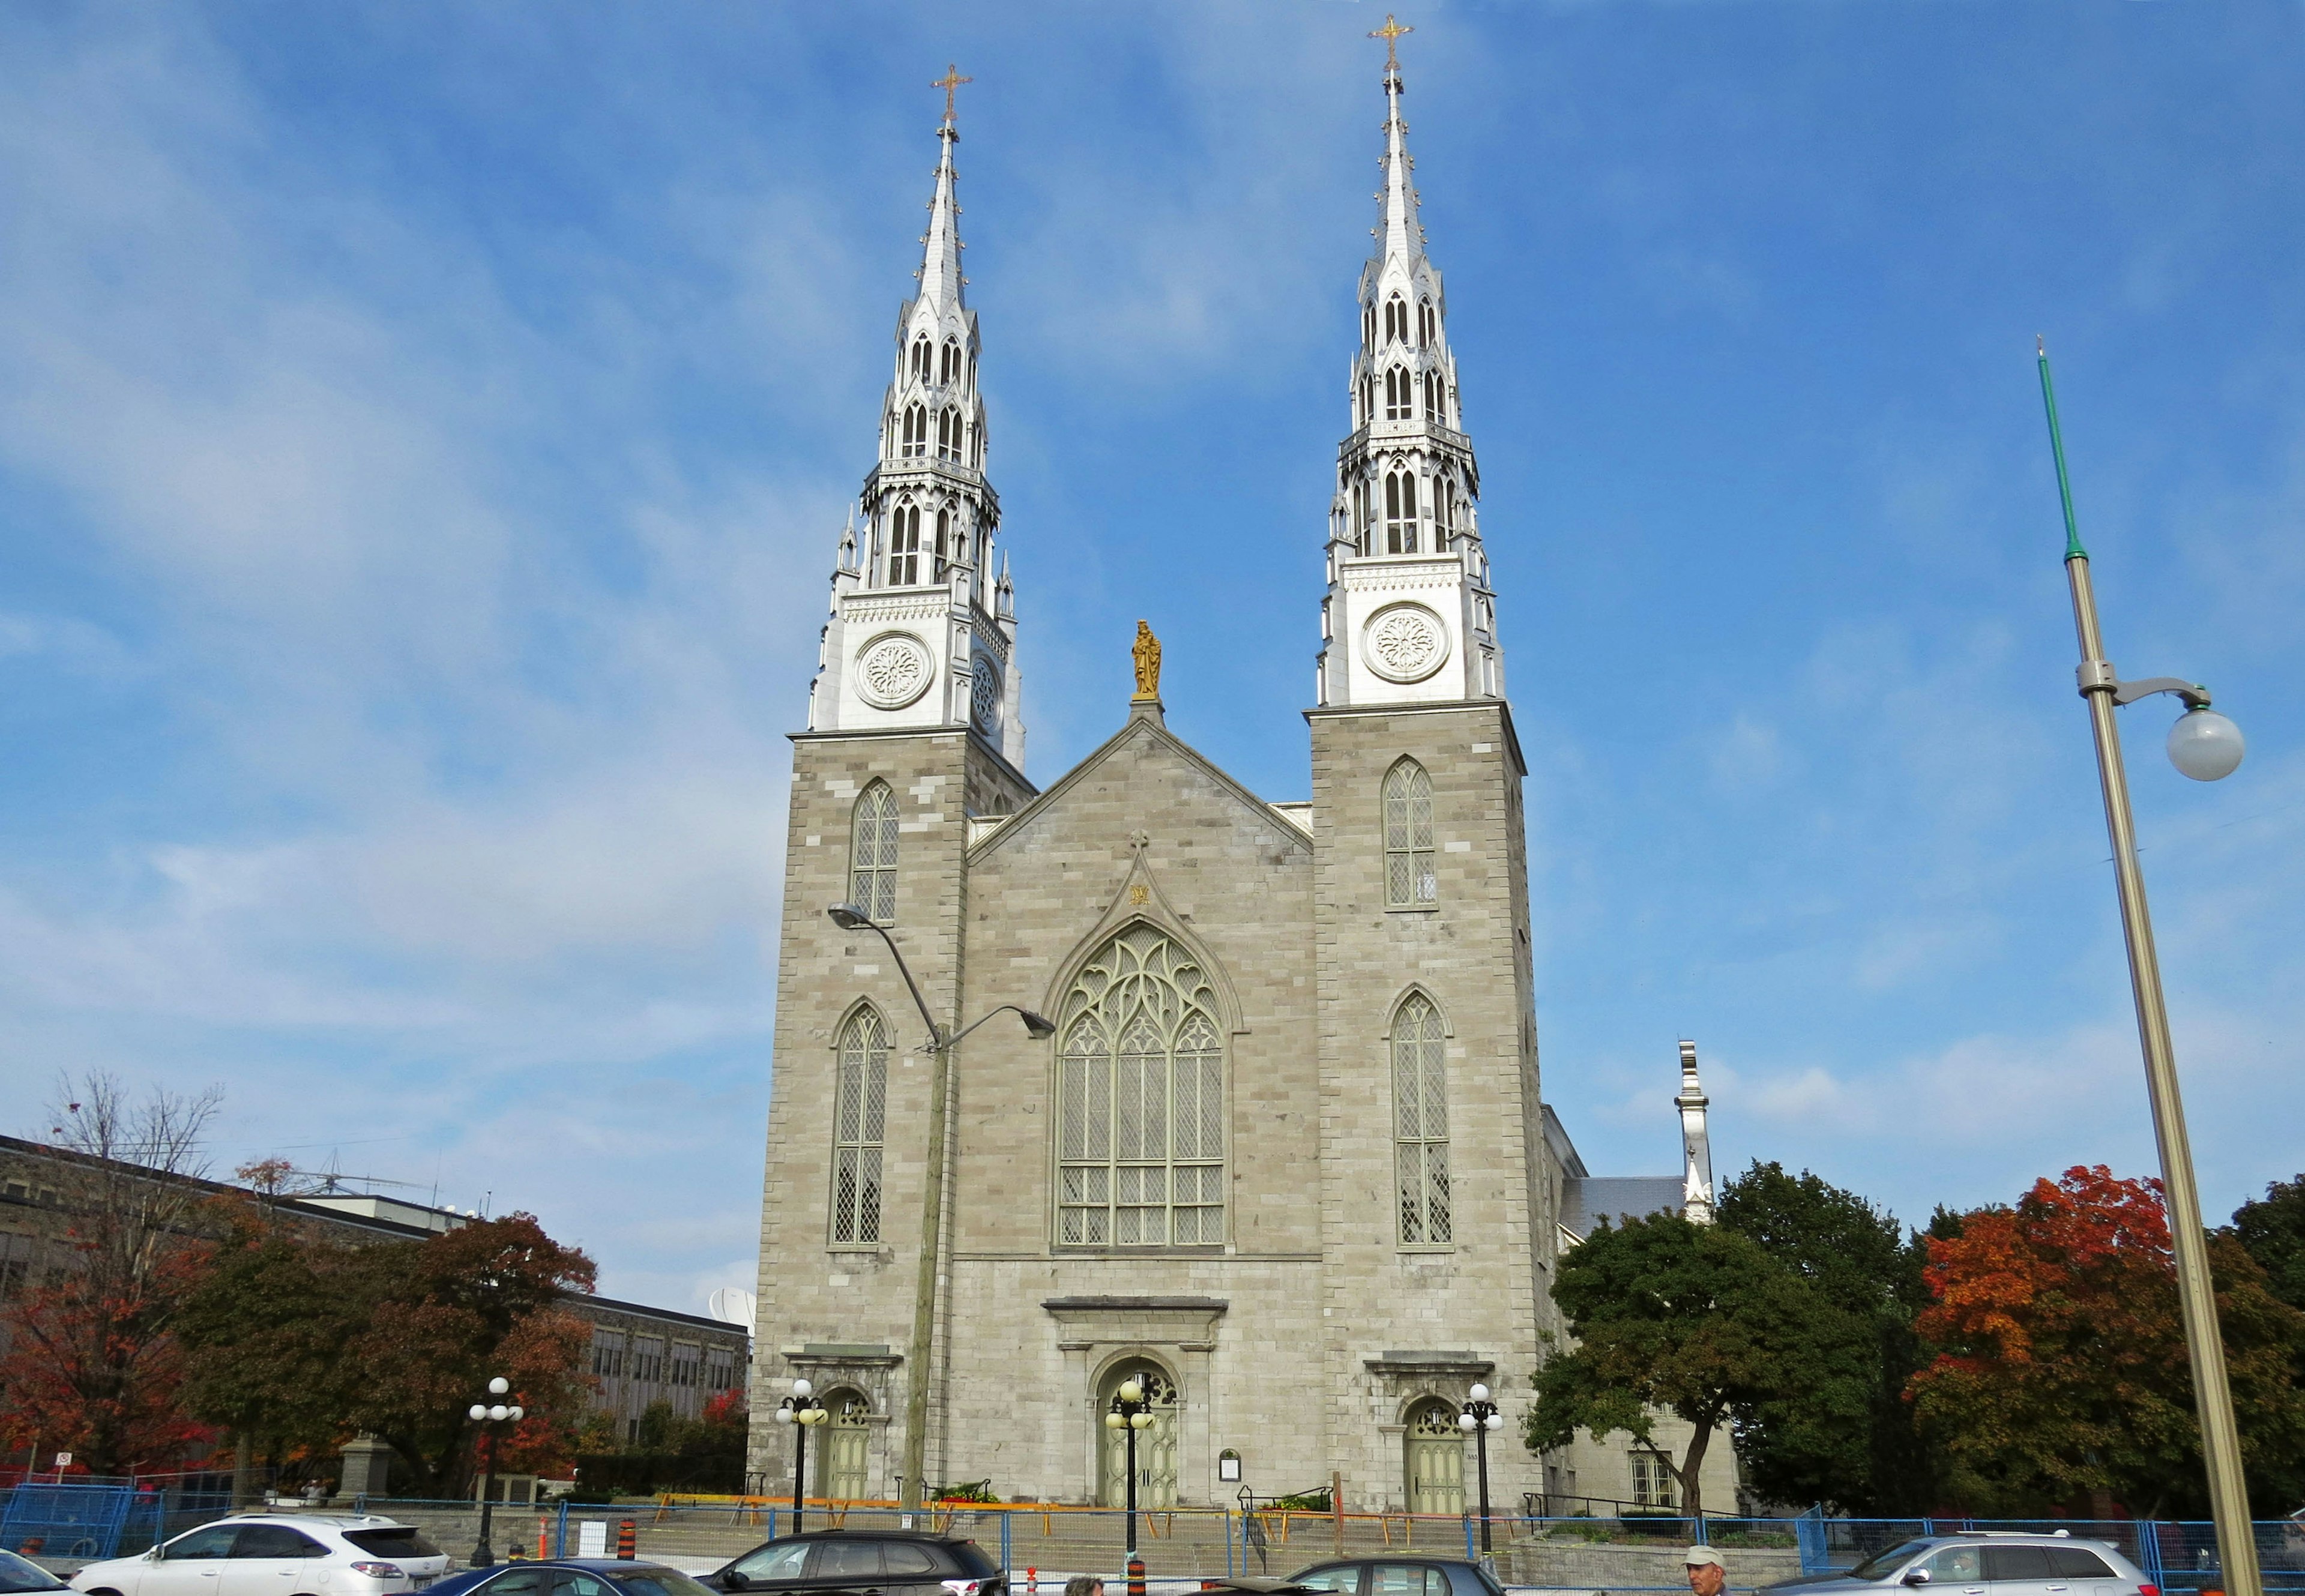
(1436,1459)
(847,1447)
(1156,1444)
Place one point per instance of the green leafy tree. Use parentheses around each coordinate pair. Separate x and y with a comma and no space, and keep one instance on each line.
(1697,1321)
(1850,1440)
(2272,1229)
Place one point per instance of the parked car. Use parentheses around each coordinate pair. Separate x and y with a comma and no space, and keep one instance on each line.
(1406,1575)
(19,1575)
(888,1562)
(571,1576)
(289,1554)
(1988,1563)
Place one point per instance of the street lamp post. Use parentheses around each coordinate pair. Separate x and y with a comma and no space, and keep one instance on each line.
(491,1416)
(1131,1412)
(803,1412)
(2205,746)
(848,917)
(1478,1419)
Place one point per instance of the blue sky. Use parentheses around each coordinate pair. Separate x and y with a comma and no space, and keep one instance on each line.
(425,432)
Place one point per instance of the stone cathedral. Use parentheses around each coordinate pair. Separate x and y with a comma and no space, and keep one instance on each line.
(1282,1157)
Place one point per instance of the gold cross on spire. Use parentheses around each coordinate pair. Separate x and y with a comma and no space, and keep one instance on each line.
(1391,33)
(952,80)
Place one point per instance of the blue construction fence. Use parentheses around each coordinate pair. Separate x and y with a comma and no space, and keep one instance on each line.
(2178,1556)
(91,1519)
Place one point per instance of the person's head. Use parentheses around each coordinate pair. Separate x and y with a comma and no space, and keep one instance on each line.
(1707,1574)
(1084,1584)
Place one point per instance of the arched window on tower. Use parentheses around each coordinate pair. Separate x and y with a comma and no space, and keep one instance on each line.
(1444,507)
(1368,328)
(859,1116)
(1399,396)
(1396,320)
(904,546)
(1368,398)
(872,854)
(943,542)
(950,367)
(1140,1100)
(1400,512)
(1420,1122)
(917,431)
(1410,882)
(920,359)
(1427,323)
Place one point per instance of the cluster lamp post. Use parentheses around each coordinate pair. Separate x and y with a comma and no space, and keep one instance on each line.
(491,1416)
(1131,1412)
(2207,747)
(803,1412)
(1480,1417)
(848,917)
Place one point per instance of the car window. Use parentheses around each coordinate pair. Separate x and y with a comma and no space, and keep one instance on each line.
(2016,1562)
(662,1582)
(516,1581)
(1344,1577)
(17,1574)
(973,1560)
(1472,1580)
(846,1560)
(780,1559)
(1406,1579)
(2077,1562)
(1956,1565)
(276,1540)
(571,1581)
(211,1541)
(1883,1564)
(906,1557)
(401,1540)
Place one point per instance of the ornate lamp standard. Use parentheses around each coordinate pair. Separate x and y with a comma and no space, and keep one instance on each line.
(848,917)
(492,1417)
(802,1411)
(1130,1414)
(1480,1417)
(2205,746)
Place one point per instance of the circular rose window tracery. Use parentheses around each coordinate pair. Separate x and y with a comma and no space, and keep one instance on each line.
(1405,642)
(892,671)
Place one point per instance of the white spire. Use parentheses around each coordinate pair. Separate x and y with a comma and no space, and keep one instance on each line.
(1409,617)
(1695,1141)
(919,636)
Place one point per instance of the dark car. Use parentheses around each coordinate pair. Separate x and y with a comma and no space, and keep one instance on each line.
(875,1562)
(22,1573)
(570,1577)
(1408,1575)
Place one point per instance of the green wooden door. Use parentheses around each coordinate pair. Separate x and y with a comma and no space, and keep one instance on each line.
(1436,1460)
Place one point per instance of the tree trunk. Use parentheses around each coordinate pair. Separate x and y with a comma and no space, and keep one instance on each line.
(1689,1471)
(243,1470)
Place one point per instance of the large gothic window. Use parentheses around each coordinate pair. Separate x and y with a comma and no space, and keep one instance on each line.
(872,854)
(1400,512)
(904,546)
(1420,1122)
(859,1110)
(1140,1093)
(1410,882)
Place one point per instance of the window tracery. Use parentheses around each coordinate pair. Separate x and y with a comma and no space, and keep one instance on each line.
(1400,512)
(1420,1109)
(872,854)
(1140,1090)
(859,1116)
(1410,880)
(904,546)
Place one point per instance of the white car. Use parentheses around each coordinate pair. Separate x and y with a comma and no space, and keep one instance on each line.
(289,1554)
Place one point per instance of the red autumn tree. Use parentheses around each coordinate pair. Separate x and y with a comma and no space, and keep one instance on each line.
(92,1367)
(2061,1373)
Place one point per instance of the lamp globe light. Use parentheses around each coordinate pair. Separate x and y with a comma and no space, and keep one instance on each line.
(500,1413)
(518,1413)
(2204,745)
(784,1415)
(1467,1423)
(1480,1393)
(1114,1420)
(1130,1391)
(1494,1421)
(499,1386)
(801,1388)
(478,1412)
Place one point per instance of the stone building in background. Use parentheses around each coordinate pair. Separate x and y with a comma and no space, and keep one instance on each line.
(1285,1160)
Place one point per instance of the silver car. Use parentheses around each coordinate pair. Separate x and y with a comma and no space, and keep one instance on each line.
(1988,1563)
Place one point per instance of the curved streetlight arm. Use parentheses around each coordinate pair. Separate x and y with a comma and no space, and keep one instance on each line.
(848,918)
(2096,676)
(1033,1023)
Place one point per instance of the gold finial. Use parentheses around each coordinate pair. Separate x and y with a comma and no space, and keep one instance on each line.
(1147,653)
(952,80)
(1391,33)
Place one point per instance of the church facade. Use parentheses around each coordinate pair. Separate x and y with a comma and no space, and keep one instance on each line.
(1282,1158)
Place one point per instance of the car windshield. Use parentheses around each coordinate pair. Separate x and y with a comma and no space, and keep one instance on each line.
(1883,1564)
(401,1540)
(662,1582)
(22,1573)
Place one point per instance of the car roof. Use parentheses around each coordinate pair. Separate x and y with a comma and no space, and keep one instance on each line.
(1401,1556)
(326,1521)
(940,1540)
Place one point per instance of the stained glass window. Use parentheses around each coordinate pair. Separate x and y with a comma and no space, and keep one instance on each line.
(859,1110)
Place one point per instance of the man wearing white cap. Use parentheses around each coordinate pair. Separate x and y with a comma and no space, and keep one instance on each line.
(1708,1576)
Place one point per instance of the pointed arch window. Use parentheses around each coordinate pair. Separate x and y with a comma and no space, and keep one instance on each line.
(920,365)
(950,367)
(1427,324)
(1140,1100)
(1368,328)
(917,430)
(1420,1124)
(1399,401)
(1368,398)
(872,852)
(1444,511)
(1400,512)
(904,546)
(1396,320)
(859,1116)
(943,543)
(1409,881)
